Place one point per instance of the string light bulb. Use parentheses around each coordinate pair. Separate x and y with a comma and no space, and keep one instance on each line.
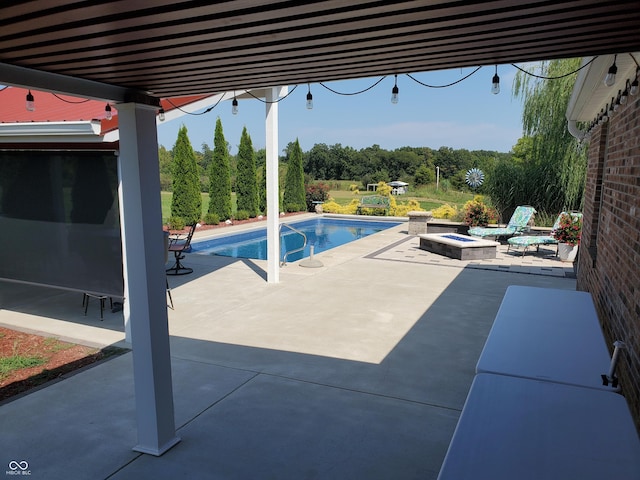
(495,83)
(107,112)
(30,105)
(309,99)
(610,79)
(234,105)
(161,115)
(395,91)
(625,95)
(633,90)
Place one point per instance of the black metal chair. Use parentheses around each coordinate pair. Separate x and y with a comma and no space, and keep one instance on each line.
(178,244)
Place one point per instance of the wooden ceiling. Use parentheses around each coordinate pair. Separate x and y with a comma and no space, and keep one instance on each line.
(167,48)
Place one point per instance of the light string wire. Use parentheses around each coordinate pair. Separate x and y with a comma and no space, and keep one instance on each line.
(352,93)
(557,77)
(209,109)
(442,86)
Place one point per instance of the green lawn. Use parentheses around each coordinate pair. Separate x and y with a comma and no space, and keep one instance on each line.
(165,198)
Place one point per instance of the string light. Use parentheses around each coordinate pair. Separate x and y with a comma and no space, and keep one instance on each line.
(30,105)
(161,115)
(107,112)
(395,91)
(309,99)
(495,83)
(610,79)
(633,90)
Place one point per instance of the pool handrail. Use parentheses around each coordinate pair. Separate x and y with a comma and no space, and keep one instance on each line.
(304,243)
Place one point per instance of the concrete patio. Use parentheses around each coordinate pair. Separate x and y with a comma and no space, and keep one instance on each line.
(358,369)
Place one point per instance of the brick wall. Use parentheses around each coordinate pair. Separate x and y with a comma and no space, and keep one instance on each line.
(609,262)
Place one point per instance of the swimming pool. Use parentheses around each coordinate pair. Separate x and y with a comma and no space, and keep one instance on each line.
(323,233)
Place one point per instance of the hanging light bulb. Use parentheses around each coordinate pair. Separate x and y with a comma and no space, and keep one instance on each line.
(161,115)
(625,95)
(633,90)
(610,79)
(395,91)
(107,112)
(617,104)
(605,115)
(234,105)
(30,105)
(309,99)
(495,83)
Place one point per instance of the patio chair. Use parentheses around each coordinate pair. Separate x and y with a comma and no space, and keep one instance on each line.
(517,223)
(178,244)
(526,241)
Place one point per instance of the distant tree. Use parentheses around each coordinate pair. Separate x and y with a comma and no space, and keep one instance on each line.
(424,175)
(246,181)
(220,176)
(166,168)
(294,199)
(186,202)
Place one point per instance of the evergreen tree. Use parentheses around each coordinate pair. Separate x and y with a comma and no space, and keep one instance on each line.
(246,180)
(186,202)
(294,199)
(220,176)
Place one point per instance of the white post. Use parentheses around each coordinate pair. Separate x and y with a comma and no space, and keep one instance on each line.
(143,249)
(437,177)
(273,196)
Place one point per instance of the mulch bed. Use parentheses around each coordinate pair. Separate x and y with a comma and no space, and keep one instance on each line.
(59,357)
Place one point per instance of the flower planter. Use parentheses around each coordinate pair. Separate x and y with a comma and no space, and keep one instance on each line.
(566,252)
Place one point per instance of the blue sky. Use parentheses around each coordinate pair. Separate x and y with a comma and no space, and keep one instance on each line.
(465,115)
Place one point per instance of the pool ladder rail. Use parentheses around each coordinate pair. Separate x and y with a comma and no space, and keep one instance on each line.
(295,230)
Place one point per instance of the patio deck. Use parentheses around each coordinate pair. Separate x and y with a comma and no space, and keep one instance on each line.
(358,369)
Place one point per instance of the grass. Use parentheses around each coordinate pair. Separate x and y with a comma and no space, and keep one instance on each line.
(54,345)
(165,198)
(16,362)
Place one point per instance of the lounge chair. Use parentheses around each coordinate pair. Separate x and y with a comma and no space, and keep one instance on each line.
(178,244)
(527,241)
(517,223)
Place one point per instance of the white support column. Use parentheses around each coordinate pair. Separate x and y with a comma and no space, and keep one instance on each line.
(143,247)
(273,196)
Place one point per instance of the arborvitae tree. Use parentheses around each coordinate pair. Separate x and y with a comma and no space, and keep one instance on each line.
(220,176)
(246,181)
(294,199)
(187,201)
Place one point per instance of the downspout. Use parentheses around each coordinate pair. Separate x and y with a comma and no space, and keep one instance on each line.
(574,130)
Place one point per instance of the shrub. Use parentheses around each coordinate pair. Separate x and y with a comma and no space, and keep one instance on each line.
(403,210)
(211,219)
(316,192)
(241,215)
(476,213)
(446,211)
(333,207)
(176,223)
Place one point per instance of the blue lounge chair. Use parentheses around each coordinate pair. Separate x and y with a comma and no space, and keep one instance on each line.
(527,241)
(518,222)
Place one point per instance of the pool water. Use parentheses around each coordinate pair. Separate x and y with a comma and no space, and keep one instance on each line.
(323,233)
